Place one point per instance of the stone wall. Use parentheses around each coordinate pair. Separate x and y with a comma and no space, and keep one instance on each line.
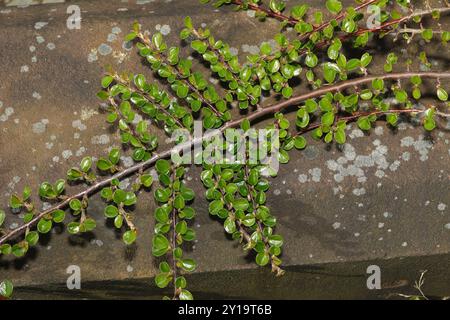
(382,199)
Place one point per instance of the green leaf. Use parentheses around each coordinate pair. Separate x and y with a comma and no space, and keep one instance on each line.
(352,64)
(89,224)
(19,249)
(401,96)
(188,22)
(334,6)
(162,166)
(26,193)
(146,180)
(2,217)
(215,206)
(46,191)
(131,36)
(416,93)
(6,289)
(111,211)
(114,156)
(163,279)
(32,238)
(392,118)
(75,205)
(273,66)
(188,264)
(311,60)
(245,125)
(164,267)
(5,249)
(129,237)
(184,34)
(118,222)
(44,225)
(106,81)
(445,36)
(180,282)
(102,95)
(186,295)
(58,216)
(299,11)
(157,40)
(333,49)
(429,124)
(73,227)
(339,136)
(276,5)
(362,40)
(161,195)
(416,80)
(366,94)
(181,227)
(179,202)
(262,259)
(187,213)
(348,25)
(300,142)
(241,204)
(160,245)
(15,202)
(229,225)
(74,174)
(287,92)
(265,48)
(378,84)
(199,46)
(330,72)
(60,186)
(327,119)
(187,193)
(283,156)
(276,240)
(119,196)
(364,123)
(161,215)
(427,34)
(173,55)
(86,164)
(442,94)
(130,199)
(104,165)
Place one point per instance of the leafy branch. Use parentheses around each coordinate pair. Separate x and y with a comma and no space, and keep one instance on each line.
(259,114)
(236,192)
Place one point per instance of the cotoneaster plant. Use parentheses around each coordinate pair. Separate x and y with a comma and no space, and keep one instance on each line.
(311,47)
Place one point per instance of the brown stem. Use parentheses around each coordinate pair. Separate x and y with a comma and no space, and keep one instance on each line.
(339,17)
(385,26)
(268,12)
(124,214)
(292,21)
(254,116)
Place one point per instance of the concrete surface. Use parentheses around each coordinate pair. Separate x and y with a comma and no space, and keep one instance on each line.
(384,199)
